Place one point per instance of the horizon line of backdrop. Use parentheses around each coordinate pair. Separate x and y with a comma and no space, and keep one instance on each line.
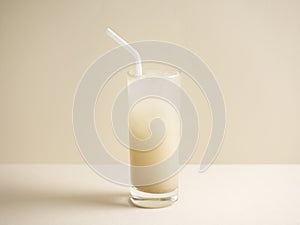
(251,45)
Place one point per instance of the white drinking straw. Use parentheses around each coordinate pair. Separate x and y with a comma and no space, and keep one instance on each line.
(129,48)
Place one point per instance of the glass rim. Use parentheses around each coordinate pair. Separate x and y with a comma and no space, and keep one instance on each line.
(154,72)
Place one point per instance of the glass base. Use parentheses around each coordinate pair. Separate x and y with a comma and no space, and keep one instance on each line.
(152,200)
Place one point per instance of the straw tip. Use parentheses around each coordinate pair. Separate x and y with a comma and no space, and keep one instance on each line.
(108,30)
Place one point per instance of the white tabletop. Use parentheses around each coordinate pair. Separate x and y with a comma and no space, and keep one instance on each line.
(225,194)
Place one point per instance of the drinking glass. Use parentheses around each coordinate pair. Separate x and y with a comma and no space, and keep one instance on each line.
(142,114)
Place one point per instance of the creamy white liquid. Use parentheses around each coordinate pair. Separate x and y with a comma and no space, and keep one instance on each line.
(139,120)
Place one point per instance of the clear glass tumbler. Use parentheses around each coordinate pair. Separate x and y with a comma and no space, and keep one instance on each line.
(162,193)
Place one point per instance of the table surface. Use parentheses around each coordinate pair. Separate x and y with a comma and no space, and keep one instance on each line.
(225,194)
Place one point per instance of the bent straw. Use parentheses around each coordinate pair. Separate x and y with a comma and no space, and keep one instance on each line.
(129,48)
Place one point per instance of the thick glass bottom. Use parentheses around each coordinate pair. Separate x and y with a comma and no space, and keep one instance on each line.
(152,200)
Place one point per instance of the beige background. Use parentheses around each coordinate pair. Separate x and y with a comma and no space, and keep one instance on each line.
(252,46)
